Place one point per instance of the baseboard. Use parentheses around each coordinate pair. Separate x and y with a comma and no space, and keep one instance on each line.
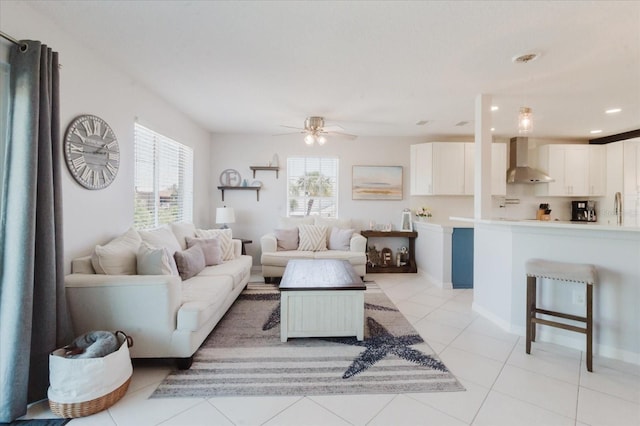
(433,281)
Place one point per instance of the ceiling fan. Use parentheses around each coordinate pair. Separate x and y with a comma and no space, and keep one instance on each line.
(315,131)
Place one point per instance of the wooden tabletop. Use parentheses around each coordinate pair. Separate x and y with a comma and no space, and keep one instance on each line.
(320,274)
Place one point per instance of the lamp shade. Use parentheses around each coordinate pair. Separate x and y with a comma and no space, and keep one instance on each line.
(225,215)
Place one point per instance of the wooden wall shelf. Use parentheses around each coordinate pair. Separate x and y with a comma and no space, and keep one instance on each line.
(273,168)
(410,267)
(244,188)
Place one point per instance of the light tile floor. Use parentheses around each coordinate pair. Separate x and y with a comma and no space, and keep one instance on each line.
(504,385)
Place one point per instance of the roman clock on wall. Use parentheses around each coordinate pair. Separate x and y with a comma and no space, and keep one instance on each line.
(92,153)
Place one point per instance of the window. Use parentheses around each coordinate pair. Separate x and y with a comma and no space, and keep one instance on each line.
(312,186)
(163,180)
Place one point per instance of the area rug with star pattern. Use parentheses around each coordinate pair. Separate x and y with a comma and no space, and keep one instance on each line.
(244,356)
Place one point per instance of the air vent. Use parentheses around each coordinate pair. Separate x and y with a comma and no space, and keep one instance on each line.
(523,59)
(461,123)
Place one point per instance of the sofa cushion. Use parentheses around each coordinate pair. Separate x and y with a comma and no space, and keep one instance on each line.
(280,258)
(294,222)
(182,230)
(210,247)
(155,261)
(238,269)
(190,262)
(202,297)
(313,238)
(354,257)
(287,238)
(340,239)
(161,237)
(119,256)
(225,237)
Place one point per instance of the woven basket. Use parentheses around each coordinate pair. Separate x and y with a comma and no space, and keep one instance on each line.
(87,408)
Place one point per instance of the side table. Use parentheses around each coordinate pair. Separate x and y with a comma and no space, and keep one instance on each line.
(244,242)
(410,267)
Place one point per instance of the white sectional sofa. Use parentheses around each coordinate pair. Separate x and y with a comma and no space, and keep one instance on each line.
(168,317)
(341,241)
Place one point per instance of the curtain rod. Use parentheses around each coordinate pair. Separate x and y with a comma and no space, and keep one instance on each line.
(6,36)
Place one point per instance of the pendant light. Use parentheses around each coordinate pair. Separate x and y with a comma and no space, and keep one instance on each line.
(525,120)
(525,114)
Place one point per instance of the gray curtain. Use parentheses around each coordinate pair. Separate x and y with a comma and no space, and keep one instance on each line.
(33,313)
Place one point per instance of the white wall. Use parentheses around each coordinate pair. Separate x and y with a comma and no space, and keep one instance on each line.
(89,84)
(253,219)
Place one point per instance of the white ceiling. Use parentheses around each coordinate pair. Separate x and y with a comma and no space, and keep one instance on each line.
(374,68)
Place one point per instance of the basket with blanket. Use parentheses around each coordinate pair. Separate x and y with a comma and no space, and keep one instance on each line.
(90,374)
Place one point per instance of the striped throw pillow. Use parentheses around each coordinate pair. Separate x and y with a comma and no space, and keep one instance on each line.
(312,238)
(225,237)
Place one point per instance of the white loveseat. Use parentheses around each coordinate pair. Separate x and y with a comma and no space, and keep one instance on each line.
(167,317)
(277,252)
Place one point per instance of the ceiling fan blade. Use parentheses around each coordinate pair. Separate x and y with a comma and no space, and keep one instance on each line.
(289,133)
(342,135)
(291,127)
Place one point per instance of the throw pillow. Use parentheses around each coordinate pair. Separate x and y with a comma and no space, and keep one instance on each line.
(313,238)
(117,257)
(161,237)
(332,222)
(340,239)
(287,239)
(225,240)
(210,247)
(155,261)
(190,262)
(182,230)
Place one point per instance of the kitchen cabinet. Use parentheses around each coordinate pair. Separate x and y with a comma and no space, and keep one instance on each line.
(597,170)
(631,167)
(437,168)
(569,166)
(498,168)
(631,182)
(448,168)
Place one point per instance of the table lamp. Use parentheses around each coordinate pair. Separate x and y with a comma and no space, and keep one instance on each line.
(225,215)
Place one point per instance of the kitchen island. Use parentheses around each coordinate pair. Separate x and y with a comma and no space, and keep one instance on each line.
(503,246)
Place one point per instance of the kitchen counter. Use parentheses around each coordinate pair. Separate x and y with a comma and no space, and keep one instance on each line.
(503,246)
(551,224)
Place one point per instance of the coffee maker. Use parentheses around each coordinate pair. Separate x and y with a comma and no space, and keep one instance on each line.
(583,211)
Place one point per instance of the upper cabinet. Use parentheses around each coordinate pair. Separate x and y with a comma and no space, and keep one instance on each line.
(577,170)
(437,168)
(631,166)
(498,168)
(447,168)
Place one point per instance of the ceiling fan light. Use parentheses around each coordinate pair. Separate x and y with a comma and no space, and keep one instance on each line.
(309,139)
(525,120)
(321,140)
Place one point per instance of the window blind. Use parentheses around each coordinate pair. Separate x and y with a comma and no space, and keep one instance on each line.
(163,180)
(312,186)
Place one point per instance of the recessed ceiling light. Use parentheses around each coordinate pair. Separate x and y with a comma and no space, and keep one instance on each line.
(595,132)
(422,122)
(613,110)
(494,108)
(493,129)
(461,123)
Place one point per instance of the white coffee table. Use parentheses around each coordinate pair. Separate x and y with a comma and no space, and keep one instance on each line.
(321,298)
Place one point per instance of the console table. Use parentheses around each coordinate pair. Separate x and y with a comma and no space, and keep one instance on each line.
(410,267)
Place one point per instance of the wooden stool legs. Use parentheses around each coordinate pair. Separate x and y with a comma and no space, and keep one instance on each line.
(532,319)
(531,308)
(589,328)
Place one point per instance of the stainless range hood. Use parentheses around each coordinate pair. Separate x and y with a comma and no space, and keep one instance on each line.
(519,170)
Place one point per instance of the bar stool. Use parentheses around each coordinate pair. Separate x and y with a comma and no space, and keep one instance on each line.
(560,271)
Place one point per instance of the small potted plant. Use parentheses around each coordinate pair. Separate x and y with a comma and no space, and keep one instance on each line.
(423,213)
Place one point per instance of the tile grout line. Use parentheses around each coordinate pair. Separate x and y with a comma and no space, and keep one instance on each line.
(504,364)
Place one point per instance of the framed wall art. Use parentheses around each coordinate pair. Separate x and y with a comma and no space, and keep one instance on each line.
(376,183)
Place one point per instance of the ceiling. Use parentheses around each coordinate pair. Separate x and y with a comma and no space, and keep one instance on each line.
(374,68)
